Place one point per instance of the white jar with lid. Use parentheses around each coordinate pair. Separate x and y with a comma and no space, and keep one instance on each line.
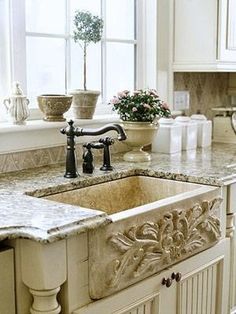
(168,137)
(189,132)
(204,133)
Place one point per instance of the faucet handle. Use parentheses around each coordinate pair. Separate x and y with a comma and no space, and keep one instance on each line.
(68,130)
(107,141)
(88,166)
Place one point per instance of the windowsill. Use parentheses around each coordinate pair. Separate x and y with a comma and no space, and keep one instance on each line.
(36,134)
(7,127)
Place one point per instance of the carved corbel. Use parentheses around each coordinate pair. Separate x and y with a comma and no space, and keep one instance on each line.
(230,225)
(43,269)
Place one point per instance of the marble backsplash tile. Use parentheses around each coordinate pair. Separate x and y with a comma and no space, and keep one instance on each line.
(206,90)
(47,156)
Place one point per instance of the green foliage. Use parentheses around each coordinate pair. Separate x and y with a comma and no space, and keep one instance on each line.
(88,27)
(141,105)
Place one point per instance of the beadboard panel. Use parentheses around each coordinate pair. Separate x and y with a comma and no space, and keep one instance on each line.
(146,306)
(198,292)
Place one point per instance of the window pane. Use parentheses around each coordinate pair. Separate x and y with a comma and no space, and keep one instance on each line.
(93,6)
(120,68)
(45,66)
(120,19)
(93,66)
(45,16)
(4,54)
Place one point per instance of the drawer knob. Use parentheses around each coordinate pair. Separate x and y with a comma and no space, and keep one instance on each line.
(176,276)
(167,282)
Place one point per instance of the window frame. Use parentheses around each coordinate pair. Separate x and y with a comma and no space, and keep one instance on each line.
(141,43)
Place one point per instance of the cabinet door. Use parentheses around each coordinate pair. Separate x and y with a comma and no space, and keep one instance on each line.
(7,294)
(227,30)
(195,31)
(146,297)
(203,289)
(204,286)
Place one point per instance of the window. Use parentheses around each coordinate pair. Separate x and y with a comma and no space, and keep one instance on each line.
(45,59)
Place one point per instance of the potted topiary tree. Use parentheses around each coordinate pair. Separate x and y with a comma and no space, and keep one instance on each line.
(88,29)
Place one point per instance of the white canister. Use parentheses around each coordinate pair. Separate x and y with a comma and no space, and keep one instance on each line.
(204,132)
(168,137)
(17,105)
(189,132)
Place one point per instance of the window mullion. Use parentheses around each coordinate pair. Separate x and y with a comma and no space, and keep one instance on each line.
(103,53)
(140,47)
(5,48)
(18,42)
(45,35)
(67,47)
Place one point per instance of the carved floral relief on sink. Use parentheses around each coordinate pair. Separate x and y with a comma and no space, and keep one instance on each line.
(129,252)
(152,245)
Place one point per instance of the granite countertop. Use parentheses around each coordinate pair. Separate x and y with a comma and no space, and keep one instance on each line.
(24,215)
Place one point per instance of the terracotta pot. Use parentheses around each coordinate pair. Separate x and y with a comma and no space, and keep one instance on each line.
(139,134)
(84,103)
(54,106)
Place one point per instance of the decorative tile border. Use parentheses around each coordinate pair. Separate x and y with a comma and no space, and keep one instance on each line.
(41,157)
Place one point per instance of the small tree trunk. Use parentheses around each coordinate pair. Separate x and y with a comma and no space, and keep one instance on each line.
(85,70)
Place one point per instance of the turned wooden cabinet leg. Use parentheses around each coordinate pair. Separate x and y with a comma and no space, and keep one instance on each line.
(45,301)
(43,272)
(230,232)
(230,225)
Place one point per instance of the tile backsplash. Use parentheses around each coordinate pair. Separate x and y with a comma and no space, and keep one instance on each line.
(206,90)
(47,156)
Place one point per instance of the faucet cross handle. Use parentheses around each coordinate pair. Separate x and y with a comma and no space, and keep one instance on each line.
(70,130)
(107,141)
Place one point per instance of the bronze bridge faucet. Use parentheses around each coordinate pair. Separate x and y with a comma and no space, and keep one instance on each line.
(71,132)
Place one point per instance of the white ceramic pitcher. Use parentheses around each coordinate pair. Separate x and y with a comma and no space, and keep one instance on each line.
(17,105)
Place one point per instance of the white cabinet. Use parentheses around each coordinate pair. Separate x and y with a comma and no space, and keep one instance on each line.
(7,291)
(203,289)
(204,34)
(231,222)
(227,30)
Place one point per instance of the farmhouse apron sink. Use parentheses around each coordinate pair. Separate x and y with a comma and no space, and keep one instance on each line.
(155,223)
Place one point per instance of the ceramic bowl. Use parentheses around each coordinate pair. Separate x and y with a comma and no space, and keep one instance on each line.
(54,106)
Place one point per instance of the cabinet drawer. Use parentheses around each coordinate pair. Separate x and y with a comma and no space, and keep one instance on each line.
(231,203)
(7,295)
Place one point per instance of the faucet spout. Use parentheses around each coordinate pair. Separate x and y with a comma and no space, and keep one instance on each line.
(108,127)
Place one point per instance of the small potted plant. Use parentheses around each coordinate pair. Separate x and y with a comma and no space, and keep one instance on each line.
(139,112)
(88,29)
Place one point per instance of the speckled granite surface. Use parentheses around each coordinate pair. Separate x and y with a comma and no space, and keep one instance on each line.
(24,215)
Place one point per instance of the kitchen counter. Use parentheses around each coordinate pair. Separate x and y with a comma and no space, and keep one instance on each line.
(24,215)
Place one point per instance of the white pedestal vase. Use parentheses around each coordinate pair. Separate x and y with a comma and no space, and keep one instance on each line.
(139,134)
(84,103)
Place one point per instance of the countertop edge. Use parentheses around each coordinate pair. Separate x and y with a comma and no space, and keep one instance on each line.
(42,236)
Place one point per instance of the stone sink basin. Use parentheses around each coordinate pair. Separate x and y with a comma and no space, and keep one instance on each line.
(123,194)
(155,223)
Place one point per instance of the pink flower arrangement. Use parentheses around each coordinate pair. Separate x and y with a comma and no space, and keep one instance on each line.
(140,105)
